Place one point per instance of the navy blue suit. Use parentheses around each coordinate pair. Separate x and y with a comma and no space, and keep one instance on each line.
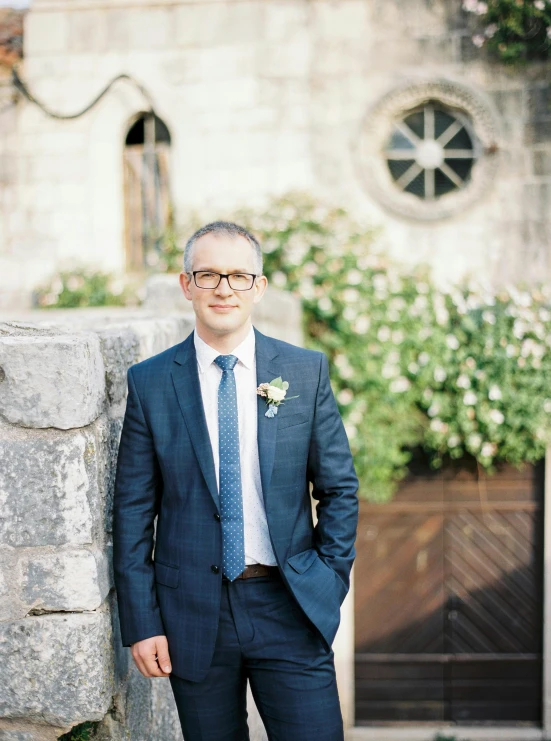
(165,467)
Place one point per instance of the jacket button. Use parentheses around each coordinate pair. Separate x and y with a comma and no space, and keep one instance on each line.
(217,517)
(215,569)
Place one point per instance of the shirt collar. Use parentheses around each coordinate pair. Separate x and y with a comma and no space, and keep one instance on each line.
(207,354)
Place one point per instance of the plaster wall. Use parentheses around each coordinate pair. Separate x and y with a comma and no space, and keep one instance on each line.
(260,97)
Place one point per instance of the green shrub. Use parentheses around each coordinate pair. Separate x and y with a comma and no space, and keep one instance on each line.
(514,31)
(83,732)
(83,287)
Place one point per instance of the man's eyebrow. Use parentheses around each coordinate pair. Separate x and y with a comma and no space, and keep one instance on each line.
(235,270)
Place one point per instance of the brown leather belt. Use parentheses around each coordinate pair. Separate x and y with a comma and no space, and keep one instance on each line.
(258,569)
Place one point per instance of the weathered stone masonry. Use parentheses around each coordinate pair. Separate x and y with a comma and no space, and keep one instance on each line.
(62,401)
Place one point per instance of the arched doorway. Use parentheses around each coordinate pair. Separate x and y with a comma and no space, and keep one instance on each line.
(146,189)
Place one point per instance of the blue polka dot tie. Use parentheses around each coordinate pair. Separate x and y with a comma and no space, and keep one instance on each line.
(231,502)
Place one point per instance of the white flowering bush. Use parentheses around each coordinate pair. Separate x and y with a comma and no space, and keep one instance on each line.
(459,373)
(485,384)
(462,373)
(513,30)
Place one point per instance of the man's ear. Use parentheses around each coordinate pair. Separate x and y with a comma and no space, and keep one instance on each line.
(185,281)
(260,287)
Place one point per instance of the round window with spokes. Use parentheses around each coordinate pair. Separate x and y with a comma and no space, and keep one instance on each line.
(431,152)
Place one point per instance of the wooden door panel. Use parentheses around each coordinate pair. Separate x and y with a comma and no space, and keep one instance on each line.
(400,558)
(449,596)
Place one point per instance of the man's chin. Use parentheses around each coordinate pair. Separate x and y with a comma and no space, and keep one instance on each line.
(223,325)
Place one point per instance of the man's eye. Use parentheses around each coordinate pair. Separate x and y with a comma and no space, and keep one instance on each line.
(206,275)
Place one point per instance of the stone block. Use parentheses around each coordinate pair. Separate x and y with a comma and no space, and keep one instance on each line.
(122,657)
(46,487)
(163,333)
(536,241)
(437,49)
(57,669)
(347,19)
(150,28)
(46,33)
(291,59)
(207,24)
(340,59)
(50,381)
(120,349)
(538,132)
(541,162)
(165,713)
(57,168)
(22,731)
(88,31)
(10,604)
(224,64)
(112,434)
(537,197)
(509,102)
(65,580)
(195,23)
(514,164)
(234,94)
(139,706)
(539,101)
(60,142)
(8,169)
(117,29)
(284,20)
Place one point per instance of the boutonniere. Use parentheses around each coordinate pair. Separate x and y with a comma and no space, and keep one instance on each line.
(274,393)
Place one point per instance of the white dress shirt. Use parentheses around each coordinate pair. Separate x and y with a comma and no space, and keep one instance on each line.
(258,548)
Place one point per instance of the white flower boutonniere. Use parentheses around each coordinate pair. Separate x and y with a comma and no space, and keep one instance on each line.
(274,392)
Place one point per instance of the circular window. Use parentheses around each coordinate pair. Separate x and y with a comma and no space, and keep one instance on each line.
(430,152)
(428,149)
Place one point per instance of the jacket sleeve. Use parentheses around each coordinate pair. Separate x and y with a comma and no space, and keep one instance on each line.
(335,484)
(138,488)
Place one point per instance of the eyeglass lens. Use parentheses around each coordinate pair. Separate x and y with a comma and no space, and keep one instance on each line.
(237,281)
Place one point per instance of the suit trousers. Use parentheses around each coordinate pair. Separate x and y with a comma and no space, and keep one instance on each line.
(263,637)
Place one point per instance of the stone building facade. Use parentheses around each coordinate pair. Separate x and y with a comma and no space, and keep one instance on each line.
(262,96)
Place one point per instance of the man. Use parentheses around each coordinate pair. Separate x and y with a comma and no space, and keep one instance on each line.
(242,585)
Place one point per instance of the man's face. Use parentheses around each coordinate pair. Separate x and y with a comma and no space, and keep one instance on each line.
(222,311)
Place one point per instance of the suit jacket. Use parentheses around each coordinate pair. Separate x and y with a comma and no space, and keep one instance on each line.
(165,468)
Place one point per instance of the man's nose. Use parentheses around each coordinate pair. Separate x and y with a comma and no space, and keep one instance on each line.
(224,287)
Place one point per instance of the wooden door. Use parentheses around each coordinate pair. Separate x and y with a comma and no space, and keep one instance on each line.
(449,596)
(147,202)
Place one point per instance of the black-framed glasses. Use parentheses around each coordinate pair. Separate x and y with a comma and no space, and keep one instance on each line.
(236,281)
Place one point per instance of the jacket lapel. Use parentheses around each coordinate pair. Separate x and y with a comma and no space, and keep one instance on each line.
(266,370)
(185,377)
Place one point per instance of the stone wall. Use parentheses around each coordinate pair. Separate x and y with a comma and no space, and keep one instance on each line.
(261,96)
(62,401)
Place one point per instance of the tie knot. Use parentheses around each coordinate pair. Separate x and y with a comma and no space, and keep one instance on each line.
(226,362)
